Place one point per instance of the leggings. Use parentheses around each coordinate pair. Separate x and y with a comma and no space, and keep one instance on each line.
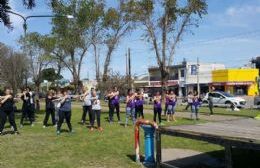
(130,112)
(67,116)
(27,112)
(86,109)
(139,110)
(95,113)
(117,107)
(157,110)
(11,117)
(47,115)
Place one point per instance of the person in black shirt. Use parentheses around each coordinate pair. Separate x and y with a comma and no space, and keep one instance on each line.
(26,108)
(7,110)
(50,109)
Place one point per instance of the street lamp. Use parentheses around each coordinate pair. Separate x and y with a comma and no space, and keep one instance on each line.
(25,18)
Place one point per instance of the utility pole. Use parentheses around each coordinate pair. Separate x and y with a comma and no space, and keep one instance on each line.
(198,78)
(129,69)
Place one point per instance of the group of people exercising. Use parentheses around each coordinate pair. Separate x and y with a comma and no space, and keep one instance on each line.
(58,106)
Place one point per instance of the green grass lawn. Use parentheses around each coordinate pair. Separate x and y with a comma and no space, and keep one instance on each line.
(114,147)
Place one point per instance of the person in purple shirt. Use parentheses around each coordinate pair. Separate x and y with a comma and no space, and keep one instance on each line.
(171,106)
(130,106)
(139,104)
(157,109)
(195,105)
(116,102)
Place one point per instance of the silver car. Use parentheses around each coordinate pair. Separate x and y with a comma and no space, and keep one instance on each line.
(220,98)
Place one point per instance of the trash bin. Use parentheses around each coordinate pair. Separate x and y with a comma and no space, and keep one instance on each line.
(149,144)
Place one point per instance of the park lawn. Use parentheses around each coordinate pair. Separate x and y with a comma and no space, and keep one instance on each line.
(114,147)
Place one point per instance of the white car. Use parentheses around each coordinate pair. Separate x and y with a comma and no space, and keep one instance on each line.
(220,98)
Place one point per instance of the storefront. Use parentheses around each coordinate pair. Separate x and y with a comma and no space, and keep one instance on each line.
(236,81)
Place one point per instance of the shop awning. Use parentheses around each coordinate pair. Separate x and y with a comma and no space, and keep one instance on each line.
(246,83)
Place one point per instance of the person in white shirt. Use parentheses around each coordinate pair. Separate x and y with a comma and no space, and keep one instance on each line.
(190,100)
(96,111)
(87,106)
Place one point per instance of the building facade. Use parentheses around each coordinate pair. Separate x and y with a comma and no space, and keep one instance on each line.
(236,81)
(185,77)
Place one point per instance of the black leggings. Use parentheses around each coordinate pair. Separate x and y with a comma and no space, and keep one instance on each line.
(3,117)
(86,109)
(67,116)
(95,113)
(47,115)
(155,112)
(27,112)
(140,111)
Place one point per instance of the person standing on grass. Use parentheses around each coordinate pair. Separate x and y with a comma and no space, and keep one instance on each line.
(87,107)
(7,110)
(96,112)
(26,111)
(157,109)
(139,104)
(31,105)
(172,100)
(189,100)
(195,106)
(166,102)
(50,109)
(65,112)
(116,102)
(130,106)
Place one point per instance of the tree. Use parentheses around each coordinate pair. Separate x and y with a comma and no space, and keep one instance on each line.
(73,37)
(13,67)
(117,23)
(33,45)
(5,7)
(165,23)
(50,75)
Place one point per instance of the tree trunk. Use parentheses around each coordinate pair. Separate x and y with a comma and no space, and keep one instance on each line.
(164,79)
(106,65)
(96,63)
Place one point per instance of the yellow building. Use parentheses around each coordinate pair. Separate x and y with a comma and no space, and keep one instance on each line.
(236,81)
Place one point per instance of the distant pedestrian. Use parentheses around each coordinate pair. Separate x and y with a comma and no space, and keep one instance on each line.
(50,109)
(139,104)
(157,109)
(87,107)
(166,102)
(189,101)
(195,106)
(130,106)
(95,112)
(210,101)
(172,100)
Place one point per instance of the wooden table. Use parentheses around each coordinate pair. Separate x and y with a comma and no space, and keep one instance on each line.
(242,133)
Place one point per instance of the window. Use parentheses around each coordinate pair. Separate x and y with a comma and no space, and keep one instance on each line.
(182,73)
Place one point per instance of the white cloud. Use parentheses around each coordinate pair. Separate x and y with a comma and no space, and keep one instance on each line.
(243,10)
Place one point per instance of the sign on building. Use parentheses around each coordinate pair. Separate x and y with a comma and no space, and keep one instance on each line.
(193,69)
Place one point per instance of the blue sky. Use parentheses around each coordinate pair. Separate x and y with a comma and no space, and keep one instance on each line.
(229,34)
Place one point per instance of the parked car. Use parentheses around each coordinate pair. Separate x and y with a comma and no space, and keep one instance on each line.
(224,99)
(257,100)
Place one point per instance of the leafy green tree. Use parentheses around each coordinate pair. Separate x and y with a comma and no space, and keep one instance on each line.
(165,23)
(33,44)
(117,23)
(73,35)
(50,75)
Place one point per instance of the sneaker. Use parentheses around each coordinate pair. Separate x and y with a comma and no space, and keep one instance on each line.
(91,129)
(32,125)
(125,125)
(44,126)
(58,132)
(12,128)
(55,125)
(21,126)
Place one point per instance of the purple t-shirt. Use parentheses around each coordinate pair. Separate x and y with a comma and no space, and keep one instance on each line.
(196,102)
(172,102)
(139,102)
(115,100)
(157,104)
(131,104)
(166,101)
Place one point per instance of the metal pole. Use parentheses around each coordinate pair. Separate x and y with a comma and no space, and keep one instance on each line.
(129,67)
(198,79)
